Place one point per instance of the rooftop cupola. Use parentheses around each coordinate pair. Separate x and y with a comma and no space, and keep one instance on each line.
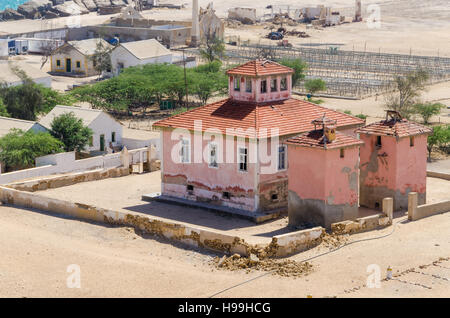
(260,81)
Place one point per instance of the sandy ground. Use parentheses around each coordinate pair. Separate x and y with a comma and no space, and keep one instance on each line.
(37,249)
(98,193)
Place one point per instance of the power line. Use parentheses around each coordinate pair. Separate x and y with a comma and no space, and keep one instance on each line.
(308,259)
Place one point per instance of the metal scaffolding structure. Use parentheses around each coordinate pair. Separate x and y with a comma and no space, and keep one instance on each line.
(349,73)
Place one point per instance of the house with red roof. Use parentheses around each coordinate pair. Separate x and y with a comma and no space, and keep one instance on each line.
(323,175)
(393,161)
(231,154)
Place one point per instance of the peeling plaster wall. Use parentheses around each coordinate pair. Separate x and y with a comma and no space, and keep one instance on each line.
(209,183)
(323,188)
(393,170)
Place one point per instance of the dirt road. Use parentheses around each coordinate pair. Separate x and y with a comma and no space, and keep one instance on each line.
(36,250)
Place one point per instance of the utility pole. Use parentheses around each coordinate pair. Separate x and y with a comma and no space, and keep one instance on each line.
(185,81)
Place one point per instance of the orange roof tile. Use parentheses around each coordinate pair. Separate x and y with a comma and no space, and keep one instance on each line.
(260,68)
(291,116)
(392,127)
(315,139)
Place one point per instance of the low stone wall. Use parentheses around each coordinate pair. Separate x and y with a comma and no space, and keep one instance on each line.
(367,223)
(280,246)
(361,225)
(299,241)
(67,180)
(440,175)
(417,212)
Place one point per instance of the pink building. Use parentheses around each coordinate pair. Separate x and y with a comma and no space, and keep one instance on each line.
(323,175)
(230,154)
(393,161)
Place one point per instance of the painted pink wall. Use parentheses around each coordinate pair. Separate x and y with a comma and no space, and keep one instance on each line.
(399,166)
(307,172)
(256,95)
(209,181)
(412,165)
(322,175)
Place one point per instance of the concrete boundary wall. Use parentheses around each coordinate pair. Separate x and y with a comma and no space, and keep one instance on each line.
(280,246)
(53,182)
(417,212)
(440,175)
(65,163)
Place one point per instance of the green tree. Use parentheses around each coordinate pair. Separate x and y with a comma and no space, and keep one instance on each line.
(299,67)
(428,110)
(51,98)
(439,138)
(313,86)
(19,149)
(207,81)
(102,57)
(3,110)
(213,49)
(71,132)
(22,101)
(408,89)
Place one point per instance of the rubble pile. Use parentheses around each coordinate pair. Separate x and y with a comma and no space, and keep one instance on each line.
(285,268)
(333,241)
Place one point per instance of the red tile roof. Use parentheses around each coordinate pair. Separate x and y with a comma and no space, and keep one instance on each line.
(260,68)
(291,116)
(315,139)
(400,128)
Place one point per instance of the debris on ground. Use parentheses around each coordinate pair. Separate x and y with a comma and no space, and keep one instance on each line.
(285,268)
(333,241)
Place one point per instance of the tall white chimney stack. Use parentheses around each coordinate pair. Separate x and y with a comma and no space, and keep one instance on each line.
(195,32)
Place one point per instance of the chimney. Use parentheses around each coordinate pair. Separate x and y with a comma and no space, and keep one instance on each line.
(195,32)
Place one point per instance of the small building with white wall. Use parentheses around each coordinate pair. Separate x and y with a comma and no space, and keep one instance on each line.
(6,124)
(139,53)
(106,130)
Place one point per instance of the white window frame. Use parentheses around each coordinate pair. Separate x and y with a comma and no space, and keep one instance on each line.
(210,157)
(284,152)
(185,150)
(243,159)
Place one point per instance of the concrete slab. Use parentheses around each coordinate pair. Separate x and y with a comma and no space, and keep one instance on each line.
(255,217)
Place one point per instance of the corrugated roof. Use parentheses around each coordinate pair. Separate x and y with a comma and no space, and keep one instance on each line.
(291,116)
(316,139)
(146,49)
(88,46)
(260,68)
(392,127)
(8,75)
(6,124)
(87,115)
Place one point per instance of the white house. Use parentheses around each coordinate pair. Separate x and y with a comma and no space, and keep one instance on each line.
(107,131)
(139,53)
(10,73)
(6,124)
